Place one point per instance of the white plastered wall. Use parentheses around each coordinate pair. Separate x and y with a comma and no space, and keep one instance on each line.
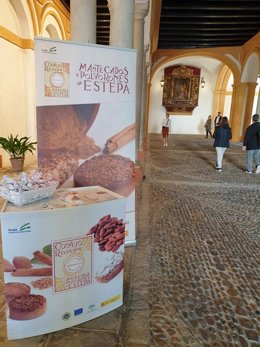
(185,124)
(250,74)
(251,69)
(13,106)
(228,97)
(17,71)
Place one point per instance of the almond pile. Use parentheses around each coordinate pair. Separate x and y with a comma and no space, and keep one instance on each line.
(109,232)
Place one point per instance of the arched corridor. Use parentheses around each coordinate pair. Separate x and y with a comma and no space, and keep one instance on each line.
(193,278)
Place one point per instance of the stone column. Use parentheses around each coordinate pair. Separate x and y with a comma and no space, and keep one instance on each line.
(218,102)
(231,112)
(121,23)
(141,10)
(238,109)
(216,99)
(143,101)
(222,98)
(83,20)
(249,104)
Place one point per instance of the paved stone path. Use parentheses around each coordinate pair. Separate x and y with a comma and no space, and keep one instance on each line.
(193,279)
(204,239)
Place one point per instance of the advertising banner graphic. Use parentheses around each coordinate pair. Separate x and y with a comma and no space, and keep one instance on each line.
(56,78)
(63,260)
(72,266)
(85,98)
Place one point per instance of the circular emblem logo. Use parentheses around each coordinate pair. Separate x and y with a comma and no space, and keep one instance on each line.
(66,316)
(57,79)
(73,264)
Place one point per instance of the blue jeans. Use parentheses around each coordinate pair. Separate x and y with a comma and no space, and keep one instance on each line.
(252,155)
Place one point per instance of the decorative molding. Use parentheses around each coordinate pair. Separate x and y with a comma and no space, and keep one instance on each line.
(141,9)
(34,17)
(15,39)
(50,12)
(62,16)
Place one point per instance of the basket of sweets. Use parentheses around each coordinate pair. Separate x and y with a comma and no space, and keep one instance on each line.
(27,188)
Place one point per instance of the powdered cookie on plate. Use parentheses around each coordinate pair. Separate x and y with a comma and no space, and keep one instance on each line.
(112,269)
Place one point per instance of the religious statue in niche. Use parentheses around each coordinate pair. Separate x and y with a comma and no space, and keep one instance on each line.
(181,89)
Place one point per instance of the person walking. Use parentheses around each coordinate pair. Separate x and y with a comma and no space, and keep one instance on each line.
(217,120)
(251,145)
(208,127)
(222,136)
(166,129)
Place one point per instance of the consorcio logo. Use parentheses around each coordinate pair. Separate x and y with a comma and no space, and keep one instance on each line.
(52,50)
(66,316)
(24,228)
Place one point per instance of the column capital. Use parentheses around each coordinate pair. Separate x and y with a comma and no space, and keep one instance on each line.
(141,8)
(251,84)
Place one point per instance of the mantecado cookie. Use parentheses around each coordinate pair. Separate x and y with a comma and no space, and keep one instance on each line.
(111,171)
(27,307)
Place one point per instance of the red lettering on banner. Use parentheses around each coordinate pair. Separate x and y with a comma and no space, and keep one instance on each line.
(104,79)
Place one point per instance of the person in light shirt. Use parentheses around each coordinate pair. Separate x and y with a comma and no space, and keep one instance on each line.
(217,119)
(166,129)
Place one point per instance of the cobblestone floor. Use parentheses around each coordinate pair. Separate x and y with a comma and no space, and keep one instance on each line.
(193,279)
(204,233)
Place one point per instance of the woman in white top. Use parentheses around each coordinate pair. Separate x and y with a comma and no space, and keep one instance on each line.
(166,129)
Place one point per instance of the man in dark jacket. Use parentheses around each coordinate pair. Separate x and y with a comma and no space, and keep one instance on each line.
(252,145)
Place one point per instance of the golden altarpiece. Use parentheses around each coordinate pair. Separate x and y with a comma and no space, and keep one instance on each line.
(181,89)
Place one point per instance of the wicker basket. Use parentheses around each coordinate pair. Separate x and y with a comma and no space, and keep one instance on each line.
(26,197)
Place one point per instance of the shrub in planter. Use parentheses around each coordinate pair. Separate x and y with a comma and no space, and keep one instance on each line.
(17,148)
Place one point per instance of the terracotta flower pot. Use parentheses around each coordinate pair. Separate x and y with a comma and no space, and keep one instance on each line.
(17,164)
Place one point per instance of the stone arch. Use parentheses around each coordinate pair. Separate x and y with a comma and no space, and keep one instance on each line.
(223,77)
(251,68)
(222,58)
(52,23)
(221,94)
(52,32)
(35,17)
(212,107)
(26,27)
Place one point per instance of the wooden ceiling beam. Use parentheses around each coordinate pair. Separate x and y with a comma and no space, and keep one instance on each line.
(155,24)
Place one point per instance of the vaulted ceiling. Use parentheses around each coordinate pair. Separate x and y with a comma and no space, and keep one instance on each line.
(187,24)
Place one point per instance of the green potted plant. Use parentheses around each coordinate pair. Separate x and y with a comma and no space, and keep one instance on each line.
(17,148)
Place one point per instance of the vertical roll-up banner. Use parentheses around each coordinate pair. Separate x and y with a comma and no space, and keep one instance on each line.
(85,106)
